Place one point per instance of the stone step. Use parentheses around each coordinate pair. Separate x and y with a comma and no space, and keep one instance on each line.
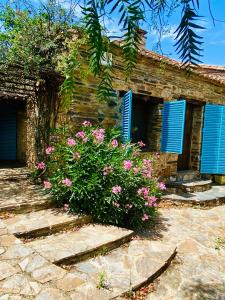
(14,174)
(70,247)
(44,222)
(180,187)
(213,197)
(186,175)
(17,197)
(119,272)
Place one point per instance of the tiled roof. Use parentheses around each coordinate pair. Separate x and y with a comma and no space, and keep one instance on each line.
(213,73)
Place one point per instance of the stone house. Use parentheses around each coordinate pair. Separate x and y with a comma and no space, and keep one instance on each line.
(178,114)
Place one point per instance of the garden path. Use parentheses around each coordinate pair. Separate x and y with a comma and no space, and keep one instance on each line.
(198,271)
(48,254)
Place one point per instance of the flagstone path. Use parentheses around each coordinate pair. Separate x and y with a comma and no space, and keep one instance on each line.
(198,272)
(47,254)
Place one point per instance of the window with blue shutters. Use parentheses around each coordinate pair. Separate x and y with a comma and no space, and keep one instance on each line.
(213,140)
(126,116)
(173,121)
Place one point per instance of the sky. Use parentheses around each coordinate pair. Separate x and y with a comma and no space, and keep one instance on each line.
(213,35)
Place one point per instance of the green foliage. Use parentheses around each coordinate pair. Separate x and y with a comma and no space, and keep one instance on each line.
(187,40)
(34,39)
(41,36)
(92,173)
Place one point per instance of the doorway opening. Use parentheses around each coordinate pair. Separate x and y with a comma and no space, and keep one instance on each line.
(184,159)
(146,121)
(12,133)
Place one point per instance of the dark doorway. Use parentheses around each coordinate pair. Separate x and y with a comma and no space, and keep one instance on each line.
(184,158)
(11,142)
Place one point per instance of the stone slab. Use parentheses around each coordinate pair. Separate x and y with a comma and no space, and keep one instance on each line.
(73,245)
(17,197)
(123,269)
(214,196)
(42,222)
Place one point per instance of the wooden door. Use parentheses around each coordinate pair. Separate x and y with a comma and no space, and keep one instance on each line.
(184,158)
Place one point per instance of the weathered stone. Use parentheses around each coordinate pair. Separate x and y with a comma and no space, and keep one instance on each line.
(50,294)
(84,241)
(19,284)
(8,240)
(6,270)
(69,282)
(42,222)
(48,273)
(17,252)
(33,262)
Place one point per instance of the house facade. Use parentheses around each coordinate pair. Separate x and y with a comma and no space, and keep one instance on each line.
(180,115)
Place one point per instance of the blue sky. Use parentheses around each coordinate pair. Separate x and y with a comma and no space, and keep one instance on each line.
(214,36)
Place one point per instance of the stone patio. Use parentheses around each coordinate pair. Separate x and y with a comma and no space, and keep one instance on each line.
(49,254)
(199,269)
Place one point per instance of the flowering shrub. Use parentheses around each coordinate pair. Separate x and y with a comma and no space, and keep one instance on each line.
(92,172)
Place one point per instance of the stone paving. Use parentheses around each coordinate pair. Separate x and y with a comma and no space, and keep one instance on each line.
(63,246)
(18,194)
(43,222)
(212,197)
(198,273)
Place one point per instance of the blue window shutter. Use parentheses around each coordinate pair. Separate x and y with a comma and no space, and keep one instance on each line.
(126,116)
(213,140)
(173,121)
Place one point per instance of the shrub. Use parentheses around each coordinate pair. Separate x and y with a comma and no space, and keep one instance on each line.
(92,172)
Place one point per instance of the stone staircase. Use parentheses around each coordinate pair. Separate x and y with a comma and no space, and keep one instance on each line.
(18,194)
(78,259)
(188,188)
(50,254)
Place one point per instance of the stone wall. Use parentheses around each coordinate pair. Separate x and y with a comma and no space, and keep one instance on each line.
(39,97)
(196,137)
(151,78)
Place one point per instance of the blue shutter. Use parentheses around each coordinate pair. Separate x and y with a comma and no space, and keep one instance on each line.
(126,116)
(213,140)
(8,134)
(173,121)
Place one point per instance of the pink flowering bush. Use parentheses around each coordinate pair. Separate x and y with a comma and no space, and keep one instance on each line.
(91,172)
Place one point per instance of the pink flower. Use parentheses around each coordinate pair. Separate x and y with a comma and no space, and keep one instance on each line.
(146,174)
(86,123)
(161,186)
(67,182)
(49,150)
(81,135)
(147,163)
(143,192)
(136,170)
(116,189)
(145,217)
(76,155)
(128,206)
(66,207)
(107,170)
(47,184)
(114,143)
(141,144)
(152,199)
(99,135)
(40,165)
(116,204)
(71,142)
(127,164)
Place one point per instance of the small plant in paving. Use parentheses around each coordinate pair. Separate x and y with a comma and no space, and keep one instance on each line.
(92,172)
(101,284)
(219,243)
